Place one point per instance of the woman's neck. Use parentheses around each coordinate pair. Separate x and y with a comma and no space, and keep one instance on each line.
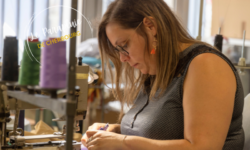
(183,46)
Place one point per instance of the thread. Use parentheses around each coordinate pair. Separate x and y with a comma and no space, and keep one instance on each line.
(53,70)
(10,60)
(30,68)
(218,41)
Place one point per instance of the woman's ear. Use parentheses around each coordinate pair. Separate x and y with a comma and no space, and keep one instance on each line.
(150,24)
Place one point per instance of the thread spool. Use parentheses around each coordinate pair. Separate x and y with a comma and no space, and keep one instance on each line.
(10,60)
(53,70)
(30,68)
(80,61)
(218,41)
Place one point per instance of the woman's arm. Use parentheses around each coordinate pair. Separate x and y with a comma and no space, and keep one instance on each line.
(117,128)
(208,101)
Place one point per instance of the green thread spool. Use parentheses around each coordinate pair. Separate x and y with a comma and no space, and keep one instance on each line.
(30,68)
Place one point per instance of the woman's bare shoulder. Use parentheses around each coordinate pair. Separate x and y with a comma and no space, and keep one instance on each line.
(208,99)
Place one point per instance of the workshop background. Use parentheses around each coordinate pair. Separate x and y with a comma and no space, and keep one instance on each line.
(231,15)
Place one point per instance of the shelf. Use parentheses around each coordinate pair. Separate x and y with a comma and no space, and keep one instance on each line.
(59,105)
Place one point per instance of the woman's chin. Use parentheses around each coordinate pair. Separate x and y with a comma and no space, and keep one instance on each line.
(147,72)
(143,72)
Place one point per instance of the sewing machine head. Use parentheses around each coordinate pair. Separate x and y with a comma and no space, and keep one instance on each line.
(7,103)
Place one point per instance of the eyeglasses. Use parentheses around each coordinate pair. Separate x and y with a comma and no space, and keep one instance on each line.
(120,49)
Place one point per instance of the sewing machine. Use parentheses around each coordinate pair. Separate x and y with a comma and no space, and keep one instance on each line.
(11,99)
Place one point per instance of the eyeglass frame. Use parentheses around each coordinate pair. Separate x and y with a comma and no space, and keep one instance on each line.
(122,50)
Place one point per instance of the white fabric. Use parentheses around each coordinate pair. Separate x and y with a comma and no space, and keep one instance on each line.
(88,48)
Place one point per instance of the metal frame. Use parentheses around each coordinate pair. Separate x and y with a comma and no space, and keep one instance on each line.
(84,24)
(47,20)
(200,20)
(34,137)
(61,14)
(71,77)
(1,27)
(17,18)
(31,14)
(22,112)
(68,106)
(42,101)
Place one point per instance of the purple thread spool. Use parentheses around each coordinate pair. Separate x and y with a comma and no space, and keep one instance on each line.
(53,71)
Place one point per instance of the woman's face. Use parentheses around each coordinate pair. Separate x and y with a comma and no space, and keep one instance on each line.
(134,44)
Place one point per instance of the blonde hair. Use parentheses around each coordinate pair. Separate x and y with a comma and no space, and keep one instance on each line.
(170,33)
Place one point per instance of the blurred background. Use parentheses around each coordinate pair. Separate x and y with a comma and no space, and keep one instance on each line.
(16,20)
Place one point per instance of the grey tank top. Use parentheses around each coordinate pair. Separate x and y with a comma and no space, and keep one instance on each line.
(163,118)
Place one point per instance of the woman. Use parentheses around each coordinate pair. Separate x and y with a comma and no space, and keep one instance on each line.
(186,95)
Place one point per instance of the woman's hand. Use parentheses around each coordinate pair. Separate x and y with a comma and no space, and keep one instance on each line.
(103,140)
(96,126)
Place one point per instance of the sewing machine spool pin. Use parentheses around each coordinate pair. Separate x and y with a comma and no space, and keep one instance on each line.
(242,62)
(218,41)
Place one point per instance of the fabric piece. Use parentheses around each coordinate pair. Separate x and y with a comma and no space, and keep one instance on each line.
(42,128)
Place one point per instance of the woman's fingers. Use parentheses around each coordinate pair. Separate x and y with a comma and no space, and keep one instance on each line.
(95,126)
(91,142)
(92,147)
(90,133)
(87,136)
(84,139)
